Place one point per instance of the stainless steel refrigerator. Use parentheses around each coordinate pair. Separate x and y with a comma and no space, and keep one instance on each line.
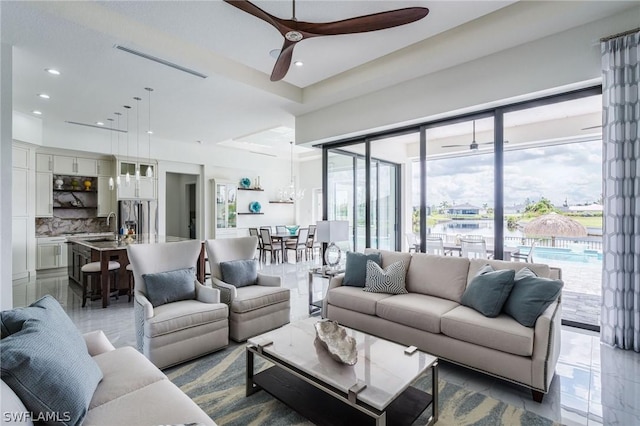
(139,215)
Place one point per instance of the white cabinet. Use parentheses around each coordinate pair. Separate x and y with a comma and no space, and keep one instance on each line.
(51,253)
(145,188)
(65,165)
(105,168)
(44,194)
(22,209)
(106,199)
(44,163)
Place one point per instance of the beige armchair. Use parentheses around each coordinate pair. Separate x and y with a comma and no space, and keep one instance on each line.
(253,309)
(175,331)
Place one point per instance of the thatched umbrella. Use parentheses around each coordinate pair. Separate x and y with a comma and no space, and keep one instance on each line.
(555,225)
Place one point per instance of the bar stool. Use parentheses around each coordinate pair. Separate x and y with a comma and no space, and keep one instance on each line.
(129,269)
(92,269)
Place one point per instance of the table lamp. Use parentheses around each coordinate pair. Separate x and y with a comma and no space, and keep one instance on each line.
(332,231)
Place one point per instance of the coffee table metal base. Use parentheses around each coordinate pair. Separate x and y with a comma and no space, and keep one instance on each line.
(325,405)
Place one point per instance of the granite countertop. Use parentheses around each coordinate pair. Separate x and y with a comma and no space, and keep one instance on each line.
(109,242)
(77,235)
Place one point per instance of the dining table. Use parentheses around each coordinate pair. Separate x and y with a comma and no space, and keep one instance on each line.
(283,237)
(105,249)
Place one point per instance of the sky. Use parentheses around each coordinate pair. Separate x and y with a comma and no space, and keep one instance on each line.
(571,172)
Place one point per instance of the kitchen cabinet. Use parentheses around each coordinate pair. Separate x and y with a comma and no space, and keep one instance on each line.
(145,188)
(22,213)
(66,165)
(106,199)
(44,194)
(51,253)
(105,167)
(44,163)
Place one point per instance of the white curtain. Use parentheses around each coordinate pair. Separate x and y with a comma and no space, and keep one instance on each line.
(621,171)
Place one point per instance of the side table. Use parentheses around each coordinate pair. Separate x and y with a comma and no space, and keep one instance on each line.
(315,306)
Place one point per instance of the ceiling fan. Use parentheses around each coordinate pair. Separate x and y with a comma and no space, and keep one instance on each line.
(295,31)
(473,146)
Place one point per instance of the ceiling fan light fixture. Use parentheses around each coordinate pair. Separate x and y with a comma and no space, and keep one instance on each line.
(293,36)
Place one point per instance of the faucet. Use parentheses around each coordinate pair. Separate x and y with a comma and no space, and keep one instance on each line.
(114,217)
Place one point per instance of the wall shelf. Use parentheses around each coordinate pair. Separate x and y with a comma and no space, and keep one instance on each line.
(84,191)
(280,202)
(73,208)
(248,213)
(250,189)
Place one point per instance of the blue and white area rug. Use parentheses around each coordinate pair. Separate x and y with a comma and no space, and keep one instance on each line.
(216,383)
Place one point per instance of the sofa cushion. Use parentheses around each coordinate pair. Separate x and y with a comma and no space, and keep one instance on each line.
(46,363)
(125,370)
(389,257)
(181,315)
(440,276)
(240,273)
(388,280)
(476,264)
(170,286)
(502,333)
(488,291)
(415,310)
(354,299)
(12,406)
(257,296)
(530,297)
(355,269)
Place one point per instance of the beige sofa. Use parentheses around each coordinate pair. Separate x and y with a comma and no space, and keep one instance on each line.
(432,318)
(132,391)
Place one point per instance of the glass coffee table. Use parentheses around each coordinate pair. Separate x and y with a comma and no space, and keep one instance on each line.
(376,390)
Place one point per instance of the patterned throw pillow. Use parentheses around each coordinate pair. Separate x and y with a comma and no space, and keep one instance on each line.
(389,280)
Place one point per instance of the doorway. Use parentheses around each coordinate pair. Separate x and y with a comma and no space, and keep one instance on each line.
(181,205)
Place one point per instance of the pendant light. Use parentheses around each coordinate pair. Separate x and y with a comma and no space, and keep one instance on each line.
(127,178)
(118,181)
(290,193)
(137,99)
(111,182)
(149,133)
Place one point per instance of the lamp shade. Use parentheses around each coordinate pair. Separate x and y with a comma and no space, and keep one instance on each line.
(331,231)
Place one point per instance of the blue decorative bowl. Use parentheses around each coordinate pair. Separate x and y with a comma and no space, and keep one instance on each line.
(245,183)
(292,229)
(255,207)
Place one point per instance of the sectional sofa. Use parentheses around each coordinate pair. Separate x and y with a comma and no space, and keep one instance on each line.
(432,318)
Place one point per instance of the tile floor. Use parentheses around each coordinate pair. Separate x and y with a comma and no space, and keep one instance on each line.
(594,384)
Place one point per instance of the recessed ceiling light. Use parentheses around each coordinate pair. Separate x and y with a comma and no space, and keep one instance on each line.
(199,141)
(99,123)
(44,96)
(274,53)
(149,132)
(298,63)
(36,112)
(52,71)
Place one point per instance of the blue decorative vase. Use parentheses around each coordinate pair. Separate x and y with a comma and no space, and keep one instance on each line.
(292,229)
(255,207)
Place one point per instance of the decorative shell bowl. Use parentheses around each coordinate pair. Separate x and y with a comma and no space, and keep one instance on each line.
(334,338)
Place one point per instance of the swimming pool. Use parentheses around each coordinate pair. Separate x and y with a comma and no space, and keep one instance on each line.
(563,254)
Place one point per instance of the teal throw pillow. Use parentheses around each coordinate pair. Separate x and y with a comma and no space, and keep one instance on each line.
(45,361)
(239,273)
(531,296)
(389,280)
(488,291)
(170,286)
(355,270)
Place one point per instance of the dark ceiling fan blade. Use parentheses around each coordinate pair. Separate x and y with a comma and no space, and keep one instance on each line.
(283,62)
(254,10)
(361,24)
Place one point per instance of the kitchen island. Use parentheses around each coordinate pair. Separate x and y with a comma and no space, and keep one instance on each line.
(104,249)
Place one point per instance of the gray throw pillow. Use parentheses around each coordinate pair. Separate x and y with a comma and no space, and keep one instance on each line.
(488,290)
(389,280)
(170,286)
(531,296)
(240,273)
(355,270)
(45,361)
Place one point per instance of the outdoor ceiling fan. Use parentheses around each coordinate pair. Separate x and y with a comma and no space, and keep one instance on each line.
(473,146)
(295,31)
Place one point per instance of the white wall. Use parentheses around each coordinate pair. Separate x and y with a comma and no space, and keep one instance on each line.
(551,64)
(6,285)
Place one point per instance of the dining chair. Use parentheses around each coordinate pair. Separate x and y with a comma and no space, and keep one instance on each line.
(528,258)
(268,245)
(299,244)
(435,246)
(473,237)
(412,241)
(254,233)
(281,229)
(474,249)
(312,244)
